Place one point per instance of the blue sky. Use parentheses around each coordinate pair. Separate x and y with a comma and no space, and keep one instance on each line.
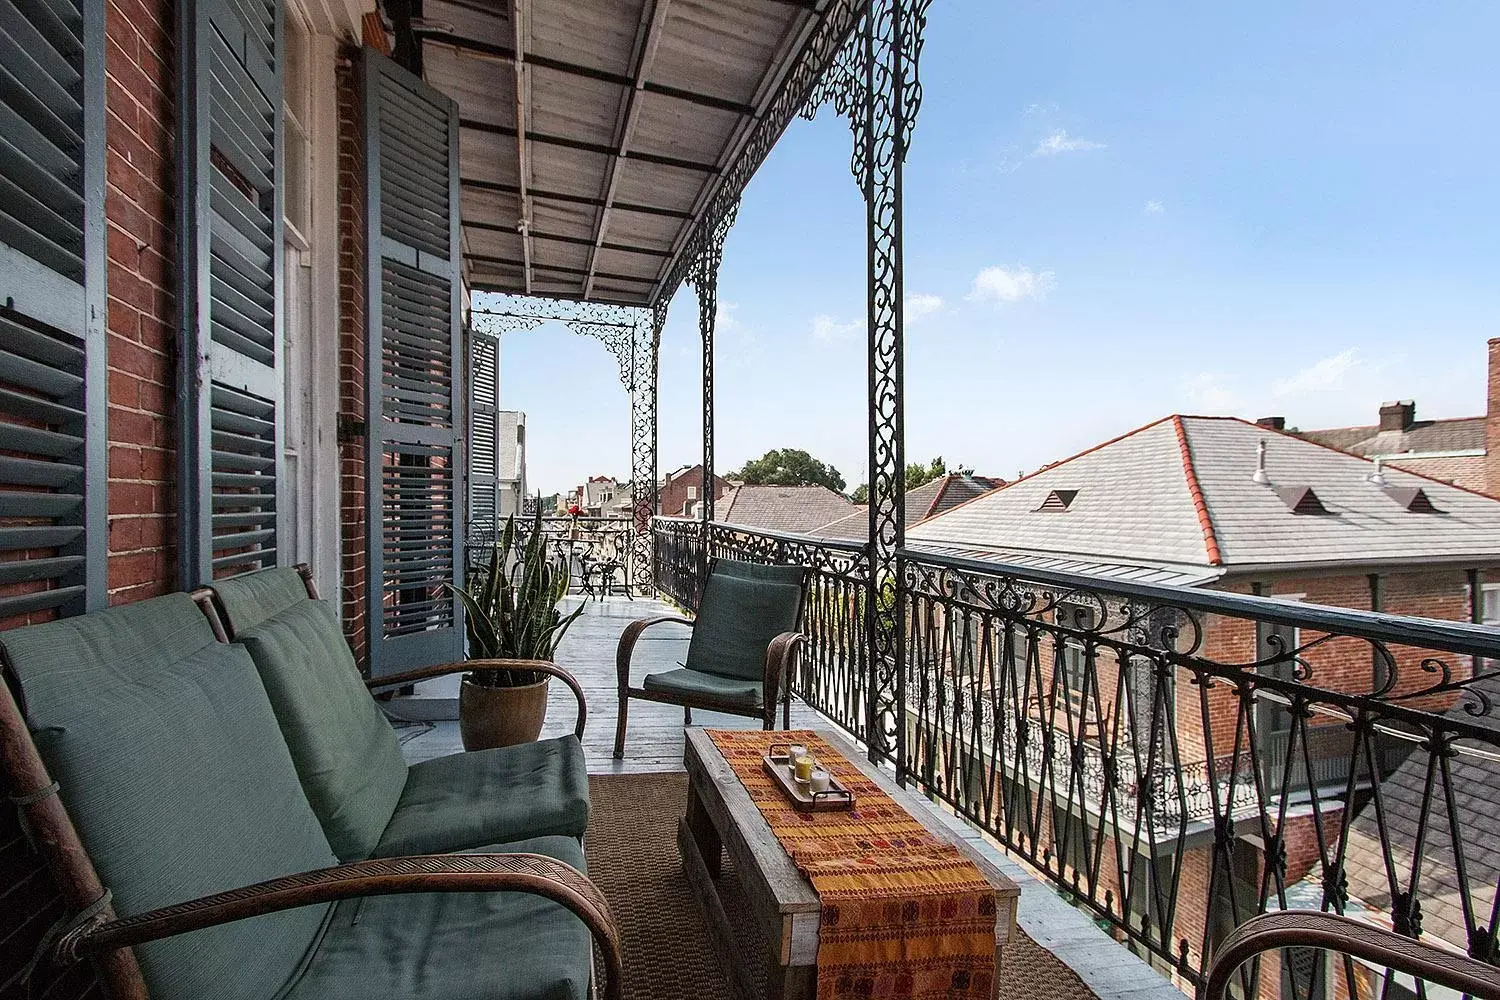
(1113,212)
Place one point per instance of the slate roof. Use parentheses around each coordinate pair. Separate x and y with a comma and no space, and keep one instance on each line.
(1468,471)
(852,527)
(1475,783)
(1450,450)
(797,509)
(1179,493)
(1460,434)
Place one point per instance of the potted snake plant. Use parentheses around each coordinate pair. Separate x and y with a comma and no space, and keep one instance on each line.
(511,612)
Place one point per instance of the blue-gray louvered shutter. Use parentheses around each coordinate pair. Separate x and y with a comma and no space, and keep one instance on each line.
(414,401)
(230,212)
(484,430)
(53,379)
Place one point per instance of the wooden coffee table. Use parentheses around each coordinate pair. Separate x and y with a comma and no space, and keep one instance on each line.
(783,905)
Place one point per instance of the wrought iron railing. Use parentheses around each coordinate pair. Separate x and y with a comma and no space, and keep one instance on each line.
(832,673)
(1168,756)
(596,550)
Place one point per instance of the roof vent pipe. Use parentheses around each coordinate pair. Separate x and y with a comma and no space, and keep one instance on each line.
(1377,478)
(1260,465)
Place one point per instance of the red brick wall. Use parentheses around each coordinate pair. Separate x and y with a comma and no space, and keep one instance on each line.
(1342,664)
(674,495)
(351,184)
(140,208)
(1492,421)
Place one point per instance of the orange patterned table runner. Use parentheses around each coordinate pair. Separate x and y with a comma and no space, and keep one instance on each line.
(905,913)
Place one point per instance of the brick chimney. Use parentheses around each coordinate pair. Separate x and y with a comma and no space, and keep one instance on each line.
(1492,423)
(1400,415)
(1274,423)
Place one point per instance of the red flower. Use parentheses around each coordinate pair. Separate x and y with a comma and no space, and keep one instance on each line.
(573,509)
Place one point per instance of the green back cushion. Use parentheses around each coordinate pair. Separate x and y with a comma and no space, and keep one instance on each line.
(346,753)
(174,771)
(250,599)
(744,607)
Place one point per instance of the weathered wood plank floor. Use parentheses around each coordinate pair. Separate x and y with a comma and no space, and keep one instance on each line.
(655,739)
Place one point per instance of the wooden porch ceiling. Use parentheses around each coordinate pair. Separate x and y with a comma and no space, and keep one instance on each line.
(595,136)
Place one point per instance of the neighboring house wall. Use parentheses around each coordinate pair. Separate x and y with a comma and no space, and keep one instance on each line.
(681,489)
(511,433)
(1492,420)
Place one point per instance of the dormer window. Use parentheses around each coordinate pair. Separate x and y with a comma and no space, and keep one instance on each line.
(1413,498)
(1057,502)
(1301,500)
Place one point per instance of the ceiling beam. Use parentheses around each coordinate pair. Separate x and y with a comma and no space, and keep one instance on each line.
(523,106)
(582,241)
(648,38)
(437,35)
(573,199)
(558,269)
(586,146)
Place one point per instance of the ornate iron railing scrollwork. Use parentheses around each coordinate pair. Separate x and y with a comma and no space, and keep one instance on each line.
(1152,752)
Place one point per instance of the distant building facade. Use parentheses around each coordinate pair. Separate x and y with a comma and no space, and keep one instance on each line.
(511,463)
(1464,451)
(1225,504)
(682,489)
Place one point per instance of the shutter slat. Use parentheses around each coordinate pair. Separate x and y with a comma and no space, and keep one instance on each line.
(50,534)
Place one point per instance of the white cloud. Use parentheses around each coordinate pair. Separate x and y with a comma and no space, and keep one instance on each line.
(1208,393)
(1058,141)
(1153,207)
(920,306)
(1040,108)
(1321,376)
(831,331)
(999,284)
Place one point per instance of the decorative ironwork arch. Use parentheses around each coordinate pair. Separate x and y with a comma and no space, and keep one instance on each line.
(632,335)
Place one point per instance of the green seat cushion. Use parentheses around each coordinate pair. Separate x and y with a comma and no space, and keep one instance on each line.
(179,782)
(744,607)
(455,946)
(694,682)
(250,599)
(463,800)
(346,753)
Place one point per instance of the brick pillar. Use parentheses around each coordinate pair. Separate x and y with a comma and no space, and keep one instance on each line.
(1492,423)
(352,485)
(141,213)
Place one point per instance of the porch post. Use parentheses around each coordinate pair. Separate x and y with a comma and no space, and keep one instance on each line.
(645,344)
(874,83)
(703,275)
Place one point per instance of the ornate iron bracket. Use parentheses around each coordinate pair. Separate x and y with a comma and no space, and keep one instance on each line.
(633,336)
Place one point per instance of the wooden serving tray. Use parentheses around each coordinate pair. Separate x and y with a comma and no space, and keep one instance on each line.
(802,797)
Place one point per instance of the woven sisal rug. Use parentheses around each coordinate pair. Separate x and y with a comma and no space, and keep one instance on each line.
(632,854)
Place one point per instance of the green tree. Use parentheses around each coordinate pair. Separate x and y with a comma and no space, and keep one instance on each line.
(861,493)
(917,473)
(789,467)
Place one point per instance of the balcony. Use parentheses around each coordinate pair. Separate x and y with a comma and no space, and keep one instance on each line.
(1060,953)
(347,231)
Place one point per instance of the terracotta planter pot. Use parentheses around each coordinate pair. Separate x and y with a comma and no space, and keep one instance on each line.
(500,716)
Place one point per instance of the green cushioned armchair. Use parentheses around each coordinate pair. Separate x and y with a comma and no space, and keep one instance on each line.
(155,781)
(741,654)
(370,803)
